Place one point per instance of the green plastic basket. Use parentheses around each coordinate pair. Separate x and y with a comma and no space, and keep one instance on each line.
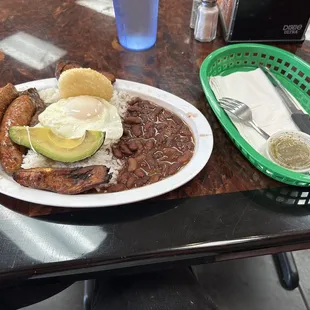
(292,72)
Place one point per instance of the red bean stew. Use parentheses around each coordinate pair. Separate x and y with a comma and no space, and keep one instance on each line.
(156,144)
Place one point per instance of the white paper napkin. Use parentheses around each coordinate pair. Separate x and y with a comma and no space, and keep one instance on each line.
(268,110)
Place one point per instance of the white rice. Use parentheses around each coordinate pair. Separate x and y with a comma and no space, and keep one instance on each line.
(50,95)
(103,156)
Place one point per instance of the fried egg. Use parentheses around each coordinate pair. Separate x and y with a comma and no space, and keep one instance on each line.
(71,117)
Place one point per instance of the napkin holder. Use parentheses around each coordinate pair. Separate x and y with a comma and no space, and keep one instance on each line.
(264,21)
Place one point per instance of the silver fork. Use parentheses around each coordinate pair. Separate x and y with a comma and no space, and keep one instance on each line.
(242,112)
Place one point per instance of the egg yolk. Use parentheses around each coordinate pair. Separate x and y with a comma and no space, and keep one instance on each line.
(84,107)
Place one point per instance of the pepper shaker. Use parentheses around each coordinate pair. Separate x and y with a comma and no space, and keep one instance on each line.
(206,21)
(195,6)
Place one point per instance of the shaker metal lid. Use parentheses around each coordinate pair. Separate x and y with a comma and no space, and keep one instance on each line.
(210,1)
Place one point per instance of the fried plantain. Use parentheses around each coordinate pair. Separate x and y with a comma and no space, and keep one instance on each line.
(63,180)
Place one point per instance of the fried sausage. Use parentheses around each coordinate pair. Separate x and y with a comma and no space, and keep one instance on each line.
(37,102)
(7,94)
(67,64)
(109,75)
(63,180)
(19,113)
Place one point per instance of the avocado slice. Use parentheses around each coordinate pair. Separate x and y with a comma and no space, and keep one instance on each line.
(45,142)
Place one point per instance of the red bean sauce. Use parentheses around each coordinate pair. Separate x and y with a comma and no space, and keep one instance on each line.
(156,144)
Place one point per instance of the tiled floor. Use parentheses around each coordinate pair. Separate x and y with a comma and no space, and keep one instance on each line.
(302,259)
(235,285)
(69,299)
(247,284)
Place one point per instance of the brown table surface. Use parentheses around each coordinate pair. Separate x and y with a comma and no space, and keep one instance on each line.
(228,201)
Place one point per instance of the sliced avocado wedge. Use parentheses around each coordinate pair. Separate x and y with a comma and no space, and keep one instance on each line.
(45,142)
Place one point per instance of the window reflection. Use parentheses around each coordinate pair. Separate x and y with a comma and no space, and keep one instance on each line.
(102,6)
(30,50)
(49,242)
(307,35)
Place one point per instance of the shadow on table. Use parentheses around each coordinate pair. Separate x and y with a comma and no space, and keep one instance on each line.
(288,199)
(91,216)
(115,214)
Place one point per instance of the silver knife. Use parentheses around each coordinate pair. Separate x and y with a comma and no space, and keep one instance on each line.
(301,119)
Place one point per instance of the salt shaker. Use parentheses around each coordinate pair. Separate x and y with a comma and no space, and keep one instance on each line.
(195,6)
(206,21)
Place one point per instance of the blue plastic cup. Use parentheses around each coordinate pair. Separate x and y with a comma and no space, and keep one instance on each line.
(136,22)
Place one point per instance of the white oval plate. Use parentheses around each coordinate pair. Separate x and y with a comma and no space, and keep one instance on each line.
(203,148)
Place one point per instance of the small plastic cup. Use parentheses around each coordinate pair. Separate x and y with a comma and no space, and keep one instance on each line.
(136,22)
(290,149)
